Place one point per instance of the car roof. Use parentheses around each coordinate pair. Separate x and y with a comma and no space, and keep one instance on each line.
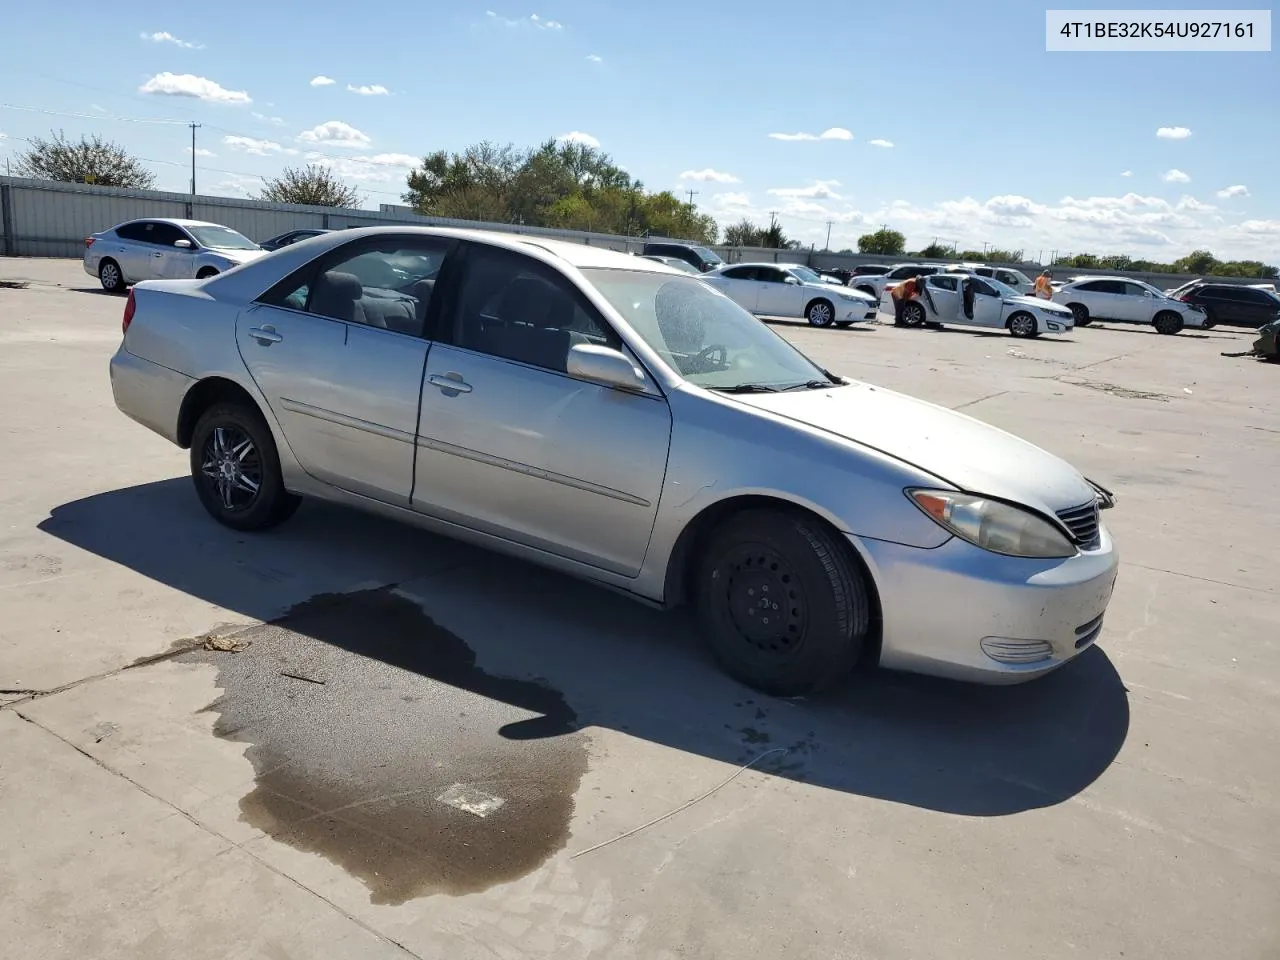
(176,221)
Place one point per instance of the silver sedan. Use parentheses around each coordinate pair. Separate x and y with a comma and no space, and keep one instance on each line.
(611,418)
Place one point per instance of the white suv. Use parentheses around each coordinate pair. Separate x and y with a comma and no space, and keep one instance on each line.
(1129,301)
(1015,279)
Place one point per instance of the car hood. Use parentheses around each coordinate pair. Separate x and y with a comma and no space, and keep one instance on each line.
(238,256)
(830,288)
(967,453)
(1030,301)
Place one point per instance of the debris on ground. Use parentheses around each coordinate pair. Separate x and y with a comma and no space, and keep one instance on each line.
(14,284)
(225,644)
(301,676)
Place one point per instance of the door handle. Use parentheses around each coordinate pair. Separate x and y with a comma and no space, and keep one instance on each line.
(157,254)
(449,382)
(265,335)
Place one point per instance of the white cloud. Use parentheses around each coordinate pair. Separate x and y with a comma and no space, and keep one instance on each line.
(595,58)
(189,85)
(258,148)
(335,133)
(577,136)
(831,133)
(820,190)
(323,81)
(381,167)
(237,186)
(1191,203)
(1236,190)
(164,36)
(878,142)
(200,152)
(1175,176)
(371,90)
(1173,133)
(532,20)
(278,121)
(709,176)
(1126,173)
(729,201)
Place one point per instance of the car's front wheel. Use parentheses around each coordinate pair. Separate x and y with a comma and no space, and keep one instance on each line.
(1081,314)
(784,607)
(110,277)
(1023,325)
(820,313)
(236,469)
(1167,322)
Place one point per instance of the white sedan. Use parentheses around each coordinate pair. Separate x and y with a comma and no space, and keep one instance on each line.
(791,290)
(1131,301)
(164,248)
(993,305)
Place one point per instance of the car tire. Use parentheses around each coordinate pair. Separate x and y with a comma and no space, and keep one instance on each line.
(1023,325)
(1167,322)
(220,461)
(109,276)
(821,614)
(820,313)
(206,273)
(1081,314)
(913,314)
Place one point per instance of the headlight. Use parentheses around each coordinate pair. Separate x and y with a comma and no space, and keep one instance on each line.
(993,525)
(849,296)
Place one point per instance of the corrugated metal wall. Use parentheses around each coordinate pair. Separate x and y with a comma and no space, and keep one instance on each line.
(43,218)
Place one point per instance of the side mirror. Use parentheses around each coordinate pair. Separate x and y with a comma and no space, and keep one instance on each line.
(182,244)
(792,280)
(605,366)
(1148,294)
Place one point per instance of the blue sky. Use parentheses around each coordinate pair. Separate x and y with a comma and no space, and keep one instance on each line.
(993,139)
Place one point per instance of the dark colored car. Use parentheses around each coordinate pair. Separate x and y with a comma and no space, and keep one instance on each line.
(871,270)
(698,256)
(293,236)
(1232,303)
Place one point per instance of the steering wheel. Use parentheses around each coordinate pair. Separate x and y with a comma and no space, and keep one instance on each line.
(718,351)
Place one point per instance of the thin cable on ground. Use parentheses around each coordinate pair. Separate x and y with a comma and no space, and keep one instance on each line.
(666,816)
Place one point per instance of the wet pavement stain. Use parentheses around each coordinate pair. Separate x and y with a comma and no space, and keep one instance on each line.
(350,766)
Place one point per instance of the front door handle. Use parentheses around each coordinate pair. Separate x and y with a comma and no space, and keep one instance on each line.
(157,254)
(449,382)
(265,335)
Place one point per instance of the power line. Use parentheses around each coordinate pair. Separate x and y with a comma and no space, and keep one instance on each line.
(88,116)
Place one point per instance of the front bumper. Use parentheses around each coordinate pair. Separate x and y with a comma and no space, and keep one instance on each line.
(855,312)
(961,612)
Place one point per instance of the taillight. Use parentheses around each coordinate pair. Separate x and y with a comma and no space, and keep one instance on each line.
(1184,298)
(88,242)
(128,313)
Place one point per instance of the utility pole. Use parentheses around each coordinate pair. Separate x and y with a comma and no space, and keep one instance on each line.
(828,243)
(692,194)
(193,156)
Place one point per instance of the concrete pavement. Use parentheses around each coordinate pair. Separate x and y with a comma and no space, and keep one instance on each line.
(284,801)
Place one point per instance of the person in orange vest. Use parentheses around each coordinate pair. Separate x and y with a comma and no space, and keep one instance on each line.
(902,295)
(1044,289)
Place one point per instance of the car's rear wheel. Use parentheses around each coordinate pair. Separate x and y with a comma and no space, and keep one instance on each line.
(109,276)
(1167,322)
(206,273)
(820,313)
(1023,325)
(784,607)
(1081,314)
(236,469)
(913,314)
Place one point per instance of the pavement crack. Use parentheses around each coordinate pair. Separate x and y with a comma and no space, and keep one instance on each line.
(972,403)
(1192,576)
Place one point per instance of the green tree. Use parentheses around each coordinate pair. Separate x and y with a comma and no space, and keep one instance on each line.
(1198,261)
(884,241)
(315,185)
(88,160)
(935,251)
(555,184)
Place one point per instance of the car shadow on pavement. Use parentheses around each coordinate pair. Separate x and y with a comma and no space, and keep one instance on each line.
(510,631)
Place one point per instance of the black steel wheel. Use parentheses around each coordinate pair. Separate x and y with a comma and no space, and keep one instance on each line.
(236,469)
(1081,314)
(783,606)
(1167,322)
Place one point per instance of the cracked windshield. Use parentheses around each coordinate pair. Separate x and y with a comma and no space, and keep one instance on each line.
(653,481)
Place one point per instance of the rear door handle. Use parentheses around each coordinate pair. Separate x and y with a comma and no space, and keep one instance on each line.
(265,335)
(449,382)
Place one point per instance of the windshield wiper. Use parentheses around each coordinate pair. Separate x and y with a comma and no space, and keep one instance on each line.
(747,388)
(813,385)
